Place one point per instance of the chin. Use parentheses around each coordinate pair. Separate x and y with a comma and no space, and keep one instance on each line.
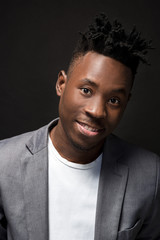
(84,146)
(81,146)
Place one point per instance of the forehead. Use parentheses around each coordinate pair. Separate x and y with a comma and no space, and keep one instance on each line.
(102,70)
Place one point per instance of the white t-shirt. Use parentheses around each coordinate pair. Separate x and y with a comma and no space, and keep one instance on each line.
(72,197)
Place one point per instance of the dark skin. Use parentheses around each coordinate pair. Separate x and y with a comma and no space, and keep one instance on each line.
(92,101)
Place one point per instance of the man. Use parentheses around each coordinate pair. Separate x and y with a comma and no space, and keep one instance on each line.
(73,179)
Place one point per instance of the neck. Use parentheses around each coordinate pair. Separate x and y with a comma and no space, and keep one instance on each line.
(72,153)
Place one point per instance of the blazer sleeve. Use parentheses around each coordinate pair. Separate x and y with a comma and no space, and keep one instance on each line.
(151,226)
(3,223)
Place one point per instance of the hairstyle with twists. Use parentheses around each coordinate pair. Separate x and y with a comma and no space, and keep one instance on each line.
(113,41)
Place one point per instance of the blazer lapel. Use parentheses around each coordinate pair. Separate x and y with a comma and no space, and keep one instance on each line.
(111,192)
(35,185)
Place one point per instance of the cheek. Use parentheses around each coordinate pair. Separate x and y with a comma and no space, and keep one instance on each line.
(114,116)
(70,103)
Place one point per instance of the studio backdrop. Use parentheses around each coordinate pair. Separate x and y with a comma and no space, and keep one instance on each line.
(36,42)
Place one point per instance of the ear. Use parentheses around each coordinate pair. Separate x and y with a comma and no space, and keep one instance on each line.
(61,82)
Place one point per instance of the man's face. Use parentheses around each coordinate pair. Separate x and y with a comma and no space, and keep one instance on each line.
(92,99)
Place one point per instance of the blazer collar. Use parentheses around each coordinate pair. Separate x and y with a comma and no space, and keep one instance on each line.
(39,140)
(35,184)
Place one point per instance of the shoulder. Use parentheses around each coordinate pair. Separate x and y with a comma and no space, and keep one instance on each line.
(14,144)
(17,144)
(138,160)
(143,165)
(11,152)
(132,152)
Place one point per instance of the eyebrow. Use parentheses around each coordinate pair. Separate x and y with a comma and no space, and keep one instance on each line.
(88,81)
(118,90)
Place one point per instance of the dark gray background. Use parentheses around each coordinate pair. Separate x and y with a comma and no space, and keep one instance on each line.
(36,42)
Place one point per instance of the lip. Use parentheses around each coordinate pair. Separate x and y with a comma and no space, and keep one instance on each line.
(88,130)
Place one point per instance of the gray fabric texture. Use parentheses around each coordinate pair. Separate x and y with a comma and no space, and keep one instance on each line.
(128,204)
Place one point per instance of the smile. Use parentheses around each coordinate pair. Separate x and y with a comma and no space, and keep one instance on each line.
(88,130)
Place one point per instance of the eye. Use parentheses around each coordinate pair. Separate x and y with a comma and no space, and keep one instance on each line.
(114,101)
(86,91)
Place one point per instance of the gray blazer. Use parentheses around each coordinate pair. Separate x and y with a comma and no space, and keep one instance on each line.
(128,205)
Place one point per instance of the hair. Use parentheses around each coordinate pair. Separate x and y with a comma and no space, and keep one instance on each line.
(113,41)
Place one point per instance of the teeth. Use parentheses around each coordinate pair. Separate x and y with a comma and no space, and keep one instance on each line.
(89,128)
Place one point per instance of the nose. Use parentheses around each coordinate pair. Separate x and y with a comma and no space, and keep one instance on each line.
(96,108)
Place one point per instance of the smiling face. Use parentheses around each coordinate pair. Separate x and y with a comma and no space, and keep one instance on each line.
(92,101)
